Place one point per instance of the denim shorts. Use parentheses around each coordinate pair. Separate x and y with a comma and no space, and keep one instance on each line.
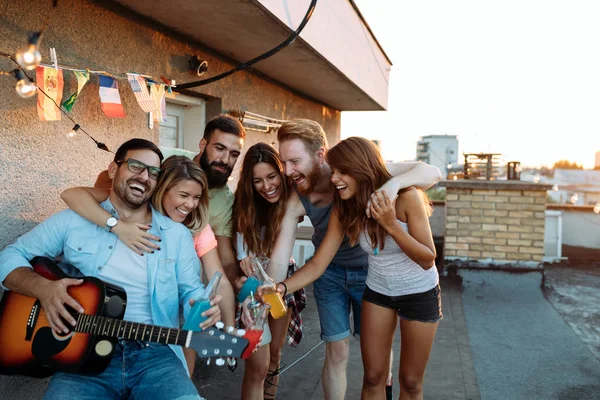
(338,291)
(423,307)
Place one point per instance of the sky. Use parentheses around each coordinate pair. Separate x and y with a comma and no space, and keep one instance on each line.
(521,78)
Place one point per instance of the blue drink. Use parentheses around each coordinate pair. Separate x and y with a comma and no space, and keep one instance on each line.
(202,304)
(250,285)
(195,318)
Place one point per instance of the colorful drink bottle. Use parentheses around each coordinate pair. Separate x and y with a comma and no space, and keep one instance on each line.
(270,293)
(250,286)
(254,314)
(202,304)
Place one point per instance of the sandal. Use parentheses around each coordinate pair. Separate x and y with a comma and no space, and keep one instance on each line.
(270,385)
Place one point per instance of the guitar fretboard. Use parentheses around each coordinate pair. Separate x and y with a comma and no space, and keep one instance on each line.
(111,327)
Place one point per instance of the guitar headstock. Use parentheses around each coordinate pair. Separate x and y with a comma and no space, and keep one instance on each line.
(235,343)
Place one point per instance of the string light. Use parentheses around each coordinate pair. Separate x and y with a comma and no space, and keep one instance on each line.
(24,87)
(29,57)
(574,198)
(73,131)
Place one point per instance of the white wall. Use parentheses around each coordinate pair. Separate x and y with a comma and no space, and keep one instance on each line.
(581,228)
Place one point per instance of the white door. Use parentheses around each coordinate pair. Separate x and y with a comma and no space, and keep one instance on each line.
(171,131)
(553,235)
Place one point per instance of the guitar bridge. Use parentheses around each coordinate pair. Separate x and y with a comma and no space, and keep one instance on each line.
(31,321)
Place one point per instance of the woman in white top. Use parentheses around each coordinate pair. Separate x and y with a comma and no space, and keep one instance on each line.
(402,280)
(260,203)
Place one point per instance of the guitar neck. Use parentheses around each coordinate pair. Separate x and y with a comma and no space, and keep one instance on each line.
(116,328)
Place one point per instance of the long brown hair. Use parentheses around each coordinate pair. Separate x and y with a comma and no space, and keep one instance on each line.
(361,159)
(174,170)
(251,211)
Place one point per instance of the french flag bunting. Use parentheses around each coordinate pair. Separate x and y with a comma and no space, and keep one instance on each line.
(140,91)
(109,96)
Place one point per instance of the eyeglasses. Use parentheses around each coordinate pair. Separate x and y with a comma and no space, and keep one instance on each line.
(137,167)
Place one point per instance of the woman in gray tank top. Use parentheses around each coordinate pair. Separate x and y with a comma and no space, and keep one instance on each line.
(402,281)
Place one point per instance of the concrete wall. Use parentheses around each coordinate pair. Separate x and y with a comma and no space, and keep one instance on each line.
(349,46)
(37,160)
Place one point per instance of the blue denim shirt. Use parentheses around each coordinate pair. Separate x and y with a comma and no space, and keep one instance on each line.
(173,272)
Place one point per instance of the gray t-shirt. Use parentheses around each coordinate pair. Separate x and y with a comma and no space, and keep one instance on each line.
(346,256)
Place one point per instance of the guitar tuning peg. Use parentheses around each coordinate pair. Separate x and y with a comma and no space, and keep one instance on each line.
(220,362)
(220,325)
(208,361)
(241,332)
(230,329)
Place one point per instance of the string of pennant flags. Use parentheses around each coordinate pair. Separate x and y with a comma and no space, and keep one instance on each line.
(149,94)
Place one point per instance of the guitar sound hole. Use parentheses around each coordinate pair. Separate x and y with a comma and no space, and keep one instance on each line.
(114,307)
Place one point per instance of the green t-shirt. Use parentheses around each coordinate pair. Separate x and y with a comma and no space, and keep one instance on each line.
(220,208)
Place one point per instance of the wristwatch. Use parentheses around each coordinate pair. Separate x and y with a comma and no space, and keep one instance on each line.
(111,222)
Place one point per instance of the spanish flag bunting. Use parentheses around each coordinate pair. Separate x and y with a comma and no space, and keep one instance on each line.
(50,80)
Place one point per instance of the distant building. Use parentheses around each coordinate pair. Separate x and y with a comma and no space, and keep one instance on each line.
(439,150)
(597,163)
(576,186)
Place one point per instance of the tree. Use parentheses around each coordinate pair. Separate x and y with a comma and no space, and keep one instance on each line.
(566,164)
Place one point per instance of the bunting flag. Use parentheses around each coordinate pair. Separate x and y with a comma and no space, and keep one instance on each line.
(50,80)
(140,91)
(109,96)
(157,91)
(82,78)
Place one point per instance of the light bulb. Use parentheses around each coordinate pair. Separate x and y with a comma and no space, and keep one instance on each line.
(24,87)
(29,57)
(73,131)
(574,198)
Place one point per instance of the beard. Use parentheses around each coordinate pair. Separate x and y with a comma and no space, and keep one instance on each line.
(310,181)
(216,179)
(123,192)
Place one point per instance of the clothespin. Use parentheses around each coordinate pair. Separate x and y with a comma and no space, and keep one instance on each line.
(53,58)
(168,82)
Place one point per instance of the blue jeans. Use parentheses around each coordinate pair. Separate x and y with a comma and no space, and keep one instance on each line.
(336,291)
(137,371)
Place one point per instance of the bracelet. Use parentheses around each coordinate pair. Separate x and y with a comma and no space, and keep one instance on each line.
(285,288)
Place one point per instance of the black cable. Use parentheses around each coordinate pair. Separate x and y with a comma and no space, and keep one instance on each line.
(263,56)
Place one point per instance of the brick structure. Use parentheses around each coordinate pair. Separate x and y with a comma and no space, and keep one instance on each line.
(495,222)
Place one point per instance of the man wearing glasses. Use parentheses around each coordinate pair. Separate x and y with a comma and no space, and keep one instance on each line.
(156,283)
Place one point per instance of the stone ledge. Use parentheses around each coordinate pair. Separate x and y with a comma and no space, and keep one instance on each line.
(495,185)
(490,264)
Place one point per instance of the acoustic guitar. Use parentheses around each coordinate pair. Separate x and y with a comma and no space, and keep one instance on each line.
(29,346)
